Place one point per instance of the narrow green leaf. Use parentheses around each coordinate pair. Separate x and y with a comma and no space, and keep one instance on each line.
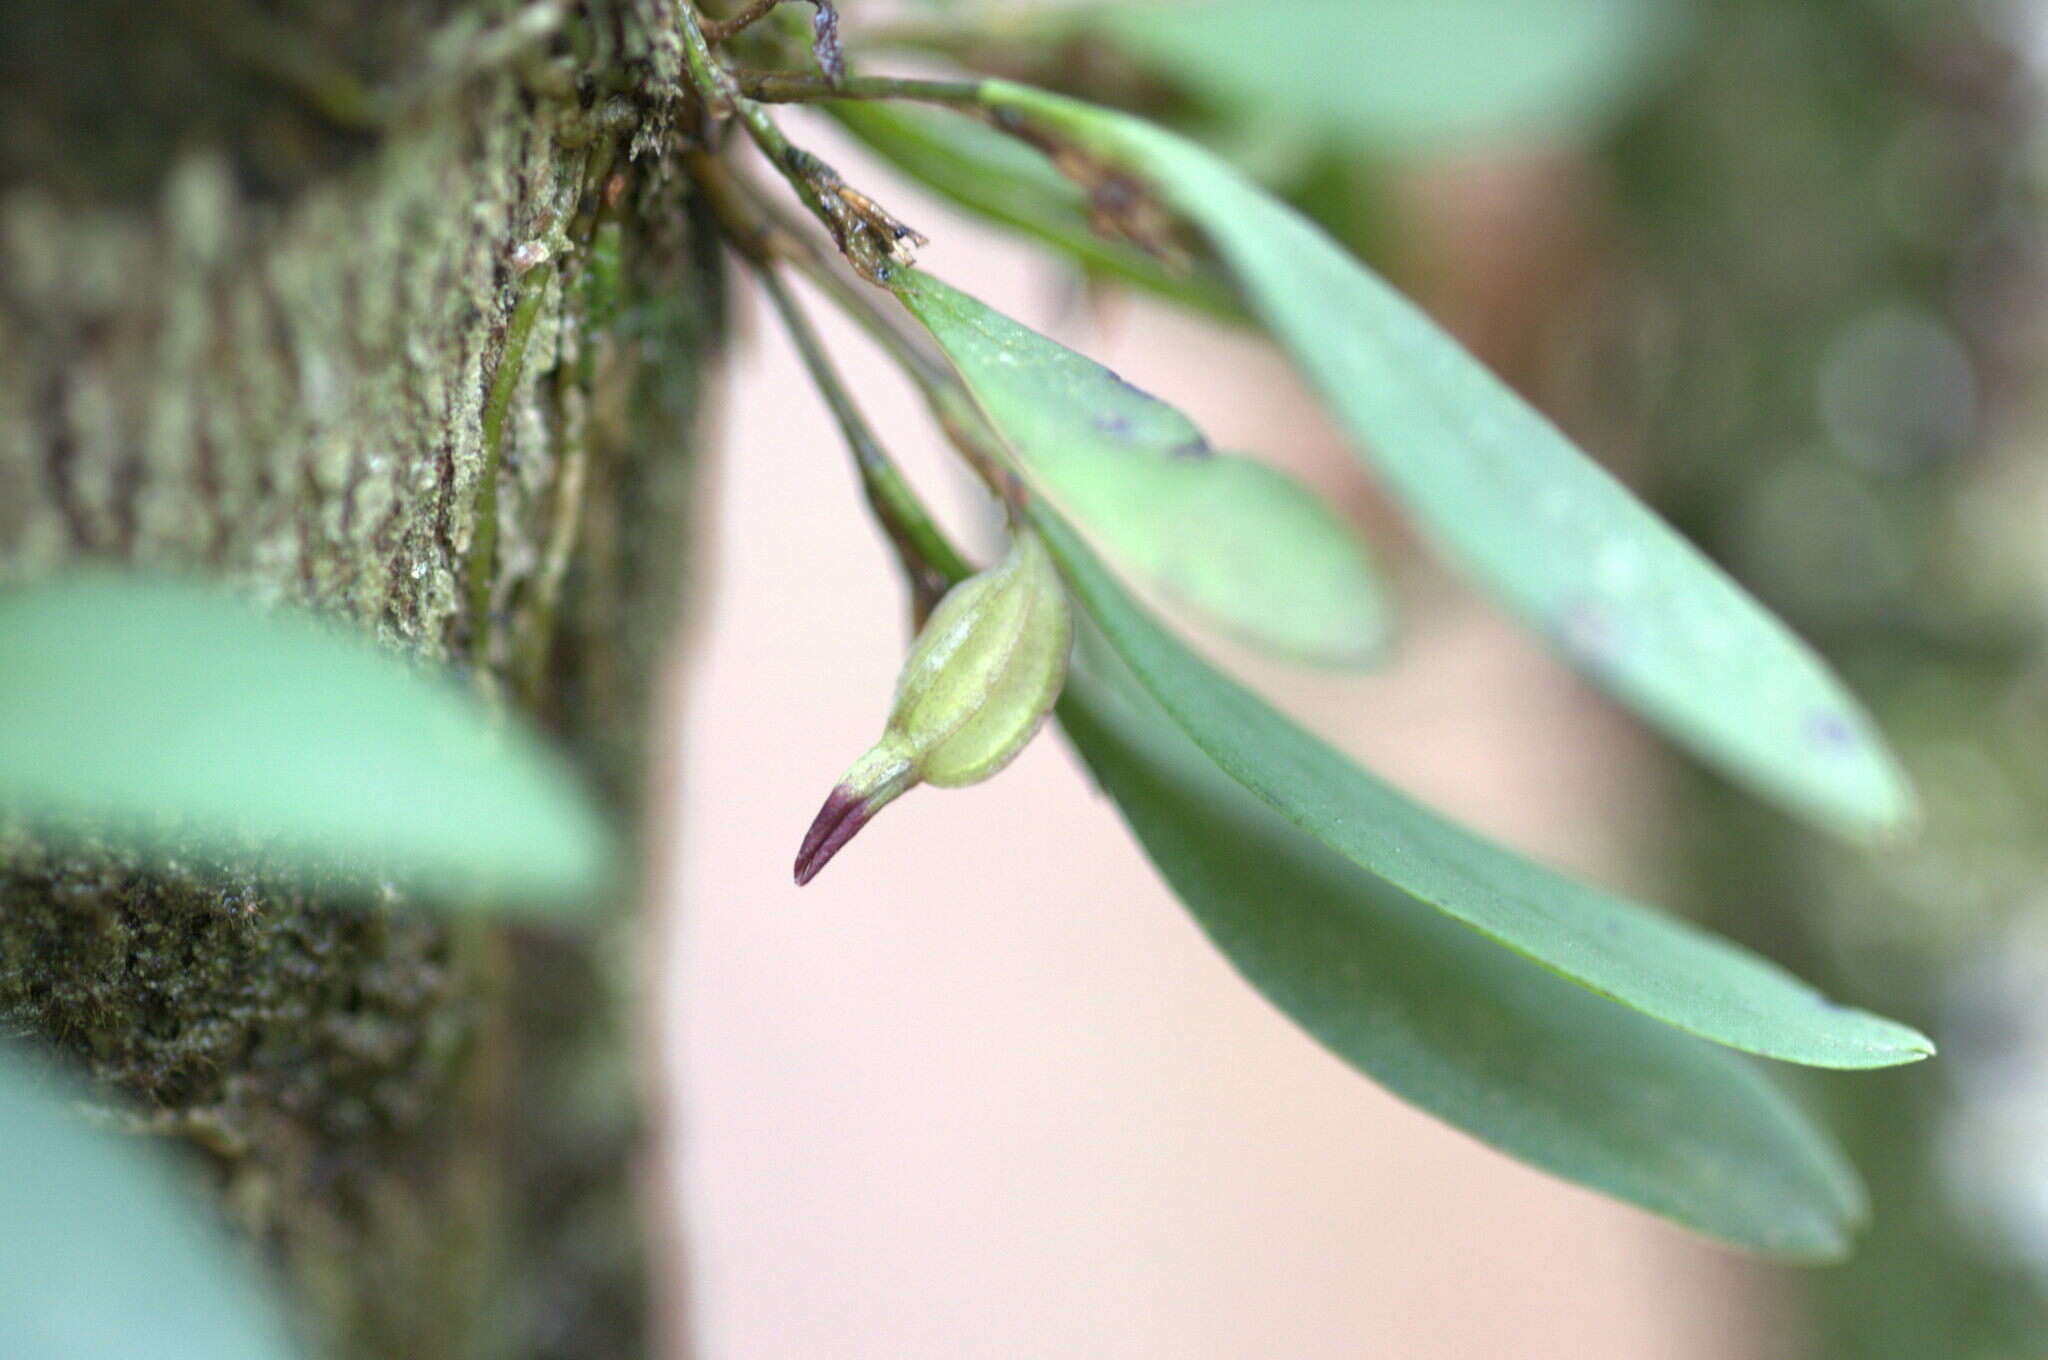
(1241,542)
(105,1252)
(995,177)
(1539,1069)
(163,713)
(1644,959)
(1628,600)
(1402,77)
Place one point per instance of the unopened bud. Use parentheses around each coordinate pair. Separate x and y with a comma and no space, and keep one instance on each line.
(979,682)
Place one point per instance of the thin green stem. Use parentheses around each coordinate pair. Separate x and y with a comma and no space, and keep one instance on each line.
(782,87)
(945,396)
(718,30)
(872,241)
(928,559)
(789,242)
(753,230)
(483,548)
(536,640)
(716,83)
(591,292)
(952,406)
(925,368)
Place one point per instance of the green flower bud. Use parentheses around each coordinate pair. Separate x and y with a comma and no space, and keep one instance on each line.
(977,686)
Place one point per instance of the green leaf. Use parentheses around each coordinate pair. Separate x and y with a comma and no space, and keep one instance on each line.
(162,713)
(1245,545)
(1557,538)
(105,1252)
(1529,1064)
(990,174)
(1651,962)
(1403,76)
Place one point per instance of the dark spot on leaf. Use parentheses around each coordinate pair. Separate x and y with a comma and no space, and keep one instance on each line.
(1829,731)
(1588,631)
(1193,450)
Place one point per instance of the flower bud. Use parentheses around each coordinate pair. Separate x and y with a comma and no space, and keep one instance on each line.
(979,682)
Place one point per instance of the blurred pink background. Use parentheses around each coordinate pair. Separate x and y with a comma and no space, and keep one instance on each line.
(983,1090)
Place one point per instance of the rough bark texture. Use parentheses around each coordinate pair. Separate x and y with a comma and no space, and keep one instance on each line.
(390,310)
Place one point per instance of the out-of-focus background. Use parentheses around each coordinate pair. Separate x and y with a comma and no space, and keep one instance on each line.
(982,1090)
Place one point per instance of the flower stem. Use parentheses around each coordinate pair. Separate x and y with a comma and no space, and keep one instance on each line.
(928,559)
(783,87)
(873,242)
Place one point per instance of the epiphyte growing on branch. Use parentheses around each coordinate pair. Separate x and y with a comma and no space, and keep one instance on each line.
(978,684)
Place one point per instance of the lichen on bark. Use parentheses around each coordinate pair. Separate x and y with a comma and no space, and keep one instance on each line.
(258,270)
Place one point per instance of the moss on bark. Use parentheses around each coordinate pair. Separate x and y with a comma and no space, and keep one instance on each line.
(386,309)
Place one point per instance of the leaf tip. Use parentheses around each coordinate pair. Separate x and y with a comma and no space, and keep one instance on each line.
(1902,817)
(1831,1244)
(1901,1046)
(1888,812)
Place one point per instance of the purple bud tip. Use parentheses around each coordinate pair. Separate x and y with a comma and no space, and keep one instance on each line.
(842,817)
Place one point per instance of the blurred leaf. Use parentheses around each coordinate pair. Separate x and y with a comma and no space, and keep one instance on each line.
(1551,533)
(992,175)
(1644,959)
(1243,543)
(105,1254)
(1401,76)
(165,713)
(1526,1062)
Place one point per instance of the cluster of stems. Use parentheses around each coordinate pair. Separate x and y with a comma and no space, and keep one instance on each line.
(866,237)
(991,653)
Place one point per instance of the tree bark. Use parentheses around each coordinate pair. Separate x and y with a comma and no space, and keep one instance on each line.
(391,310)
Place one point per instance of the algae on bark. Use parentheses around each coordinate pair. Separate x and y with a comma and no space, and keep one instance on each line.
(365,307)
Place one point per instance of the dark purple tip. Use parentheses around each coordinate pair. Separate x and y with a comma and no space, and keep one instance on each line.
(837,822)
